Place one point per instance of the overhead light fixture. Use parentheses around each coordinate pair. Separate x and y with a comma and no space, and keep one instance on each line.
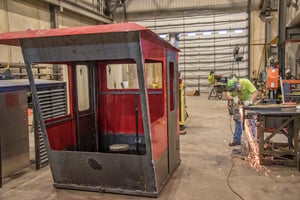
(222,32)
(162,35)
(239,31)
(191,34)
(206,33)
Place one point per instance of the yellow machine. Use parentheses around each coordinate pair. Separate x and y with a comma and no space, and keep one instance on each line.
(182,112)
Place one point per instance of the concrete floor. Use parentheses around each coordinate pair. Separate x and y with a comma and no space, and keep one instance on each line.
(203,173)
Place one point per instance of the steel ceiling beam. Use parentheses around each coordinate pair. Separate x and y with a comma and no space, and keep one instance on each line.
(84,11)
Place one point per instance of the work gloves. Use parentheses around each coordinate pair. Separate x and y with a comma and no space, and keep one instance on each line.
(248,103)
(236,100)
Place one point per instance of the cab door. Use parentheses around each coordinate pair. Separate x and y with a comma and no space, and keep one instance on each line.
(84,105)
(172,104)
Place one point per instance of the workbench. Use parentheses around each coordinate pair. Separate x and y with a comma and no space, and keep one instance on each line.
(277,137)
(217,91)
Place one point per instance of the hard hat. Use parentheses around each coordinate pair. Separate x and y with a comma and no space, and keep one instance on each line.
(271,60)
(231,85)
(287,71)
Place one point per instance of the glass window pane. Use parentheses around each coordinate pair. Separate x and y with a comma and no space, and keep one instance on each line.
(122,76)
(154,75)
(65,78)
(82,87)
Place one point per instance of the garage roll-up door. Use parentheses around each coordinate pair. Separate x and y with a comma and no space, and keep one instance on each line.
(206,43)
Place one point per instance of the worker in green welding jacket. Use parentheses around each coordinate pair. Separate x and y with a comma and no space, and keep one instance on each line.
(211,77)
(241,91)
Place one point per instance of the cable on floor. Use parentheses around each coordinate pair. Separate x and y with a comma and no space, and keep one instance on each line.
(228,183)
(232,165)
(230,118)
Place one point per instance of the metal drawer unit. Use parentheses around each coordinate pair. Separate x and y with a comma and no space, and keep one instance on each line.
(14,139)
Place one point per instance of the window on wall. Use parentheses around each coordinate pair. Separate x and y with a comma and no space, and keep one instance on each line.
(82,79)
(124,76)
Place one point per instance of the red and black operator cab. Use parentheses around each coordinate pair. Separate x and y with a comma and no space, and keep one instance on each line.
(121,131)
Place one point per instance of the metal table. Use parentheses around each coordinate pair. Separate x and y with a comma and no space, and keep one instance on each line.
(272,121)
(217,91)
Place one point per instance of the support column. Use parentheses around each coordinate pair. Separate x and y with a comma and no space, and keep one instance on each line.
(54,16)
(267,41)
(54,23)
(281,37)
(249,41)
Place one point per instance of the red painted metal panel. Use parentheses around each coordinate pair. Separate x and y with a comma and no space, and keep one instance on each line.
(156,106)
(12,99)
(150,38)
(61,135)
(159,137)
(159,127)
(118,114)
(152,50)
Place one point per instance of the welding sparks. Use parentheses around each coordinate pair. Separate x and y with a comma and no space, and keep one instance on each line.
(252,143)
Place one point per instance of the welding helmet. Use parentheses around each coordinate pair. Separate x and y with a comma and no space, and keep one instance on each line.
(232,85)
(271,60)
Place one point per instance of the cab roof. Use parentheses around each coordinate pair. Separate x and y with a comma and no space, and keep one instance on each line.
(14,38)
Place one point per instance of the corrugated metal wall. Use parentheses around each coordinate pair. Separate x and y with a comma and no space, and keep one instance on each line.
(206,43)
(146,5)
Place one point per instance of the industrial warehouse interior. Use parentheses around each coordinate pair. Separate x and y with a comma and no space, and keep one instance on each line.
(141,99)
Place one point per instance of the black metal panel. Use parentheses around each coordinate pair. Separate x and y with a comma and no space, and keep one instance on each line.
(110,46)
(103,172)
